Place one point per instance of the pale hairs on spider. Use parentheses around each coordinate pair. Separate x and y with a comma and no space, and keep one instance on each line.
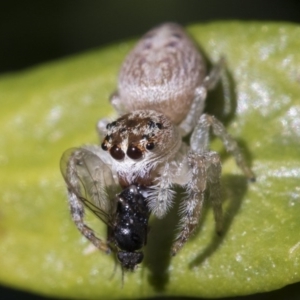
(161,95)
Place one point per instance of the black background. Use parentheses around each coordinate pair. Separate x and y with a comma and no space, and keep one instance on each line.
(32,32)
(36,31)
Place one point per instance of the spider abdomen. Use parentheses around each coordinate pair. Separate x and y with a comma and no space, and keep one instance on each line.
(162,73)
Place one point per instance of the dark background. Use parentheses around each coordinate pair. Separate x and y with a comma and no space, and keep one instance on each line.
(35,31)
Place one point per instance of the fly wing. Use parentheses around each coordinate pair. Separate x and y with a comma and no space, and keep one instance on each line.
(91,180)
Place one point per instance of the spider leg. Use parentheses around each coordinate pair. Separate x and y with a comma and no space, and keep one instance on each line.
(213,177)
(101,127)
(77,213)
(211,80)
(200,140)
(198,103)
(77,207)
(120,109)
(117,103)
(205,173)
(161,196)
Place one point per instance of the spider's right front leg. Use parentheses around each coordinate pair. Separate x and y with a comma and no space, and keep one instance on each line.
(205,172)
(161,196)
(76,205)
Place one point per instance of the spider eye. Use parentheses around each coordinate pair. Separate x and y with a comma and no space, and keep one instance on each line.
(150,146)
(117,153)
(159,125)
(103,146)
(134,152)
(110,125)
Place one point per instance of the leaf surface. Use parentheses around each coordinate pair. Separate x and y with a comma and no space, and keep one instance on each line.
(53,107)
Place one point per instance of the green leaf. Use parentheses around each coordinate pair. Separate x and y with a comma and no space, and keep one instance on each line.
(53,107)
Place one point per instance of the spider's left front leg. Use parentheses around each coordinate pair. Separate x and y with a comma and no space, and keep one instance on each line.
(205,173)
(74,168)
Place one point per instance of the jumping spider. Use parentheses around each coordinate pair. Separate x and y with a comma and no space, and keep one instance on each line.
(161,95)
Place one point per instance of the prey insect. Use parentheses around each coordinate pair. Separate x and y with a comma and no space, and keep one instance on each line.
(90,184)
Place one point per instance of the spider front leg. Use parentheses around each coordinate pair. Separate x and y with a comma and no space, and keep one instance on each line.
(77,213)
(69,165)
(161,196)
(205,173)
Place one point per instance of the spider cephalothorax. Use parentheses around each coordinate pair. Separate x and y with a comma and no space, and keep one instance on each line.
(138,142)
